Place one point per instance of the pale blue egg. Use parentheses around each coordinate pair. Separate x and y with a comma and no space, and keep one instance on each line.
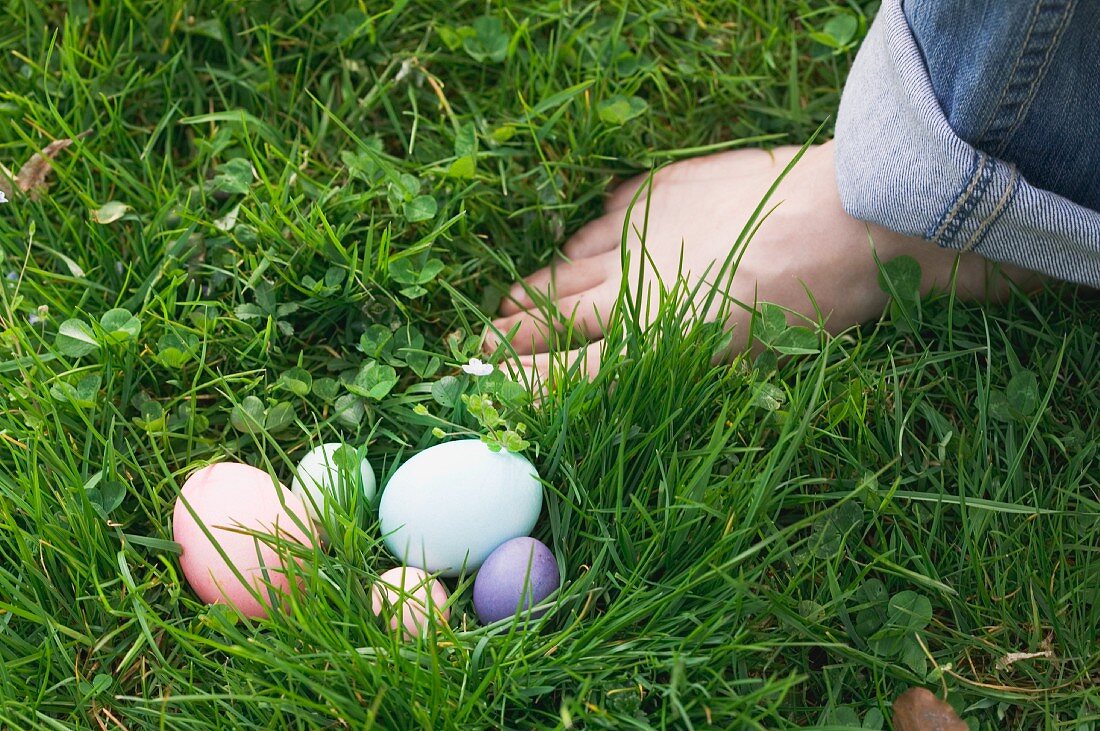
(451,505)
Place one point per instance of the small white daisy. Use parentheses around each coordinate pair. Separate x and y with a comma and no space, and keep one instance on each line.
(476,368)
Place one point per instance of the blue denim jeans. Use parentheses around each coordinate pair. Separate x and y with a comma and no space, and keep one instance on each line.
(975,124)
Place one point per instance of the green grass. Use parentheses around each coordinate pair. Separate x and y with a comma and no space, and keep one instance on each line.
(759,545)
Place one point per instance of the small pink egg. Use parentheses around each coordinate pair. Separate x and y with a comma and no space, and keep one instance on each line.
(226,498)
(406,595)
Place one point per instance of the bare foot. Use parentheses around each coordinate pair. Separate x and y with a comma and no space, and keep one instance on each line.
(697,209)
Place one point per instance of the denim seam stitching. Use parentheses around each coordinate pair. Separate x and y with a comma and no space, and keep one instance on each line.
(970,196)
(1040,74)
(1020,88)
(972,201)
(949,214)
(977,239)
(999,107)
(998,209)
(1011,74)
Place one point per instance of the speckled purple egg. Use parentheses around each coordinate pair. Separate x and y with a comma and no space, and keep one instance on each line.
(521,571)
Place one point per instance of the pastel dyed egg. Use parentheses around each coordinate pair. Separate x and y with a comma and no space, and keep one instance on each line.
(332,476)
(225,499)
(410,598)
(448,507)
(518,575)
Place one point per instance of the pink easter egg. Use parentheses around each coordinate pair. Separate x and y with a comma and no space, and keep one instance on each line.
(226,498)
(410,598)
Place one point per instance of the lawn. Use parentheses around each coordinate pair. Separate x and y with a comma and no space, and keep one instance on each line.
(279,224)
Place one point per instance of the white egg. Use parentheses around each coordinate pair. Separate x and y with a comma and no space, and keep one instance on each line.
(450,506)
(332,472)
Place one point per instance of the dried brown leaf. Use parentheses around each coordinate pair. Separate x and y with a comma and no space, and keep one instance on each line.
(918,709)
(32,177)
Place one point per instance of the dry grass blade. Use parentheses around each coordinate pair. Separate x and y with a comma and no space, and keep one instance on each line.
(1014,657)
(918,709)
(32,177)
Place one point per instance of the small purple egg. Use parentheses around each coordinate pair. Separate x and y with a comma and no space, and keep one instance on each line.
(521,571)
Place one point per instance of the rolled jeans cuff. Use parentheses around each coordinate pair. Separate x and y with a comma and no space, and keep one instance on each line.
(900,165)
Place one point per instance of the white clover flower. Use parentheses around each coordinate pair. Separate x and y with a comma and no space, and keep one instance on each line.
(406,67)
(476,368)
(3,198)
